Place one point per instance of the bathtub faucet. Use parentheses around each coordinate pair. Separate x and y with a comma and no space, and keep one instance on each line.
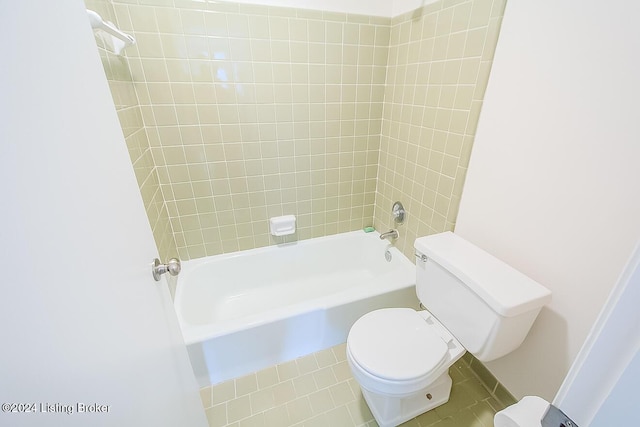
(391,233)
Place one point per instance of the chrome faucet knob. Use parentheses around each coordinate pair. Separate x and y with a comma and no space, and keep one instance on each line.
(158,269)
(173,266)
(398,212)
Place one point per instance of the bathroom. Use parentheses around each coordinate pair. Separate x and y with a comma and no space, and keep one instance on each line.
(544,189)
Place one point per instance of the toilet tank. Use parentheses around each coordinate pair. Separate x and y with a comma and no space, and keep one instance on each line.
(486,304)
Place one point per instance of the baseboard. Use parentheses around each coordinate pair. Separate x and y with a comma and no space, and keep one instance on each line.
(491,383)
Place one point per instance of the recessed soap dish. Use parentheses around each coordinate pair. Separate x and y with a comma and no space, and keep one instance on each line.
(282,225)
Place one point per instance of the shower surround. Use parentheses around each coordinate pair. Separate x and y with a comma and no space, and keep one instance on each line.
(234,113)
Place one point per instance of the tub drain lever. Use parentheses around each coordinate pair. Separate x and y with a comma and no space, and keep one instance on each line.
(158,269)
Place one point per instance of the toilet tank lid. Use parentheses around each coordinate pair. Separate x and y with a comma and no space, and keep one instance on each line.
(506,290)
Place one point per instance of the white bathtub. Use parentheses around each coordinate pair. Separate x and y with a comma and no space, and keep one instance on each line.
(248,310)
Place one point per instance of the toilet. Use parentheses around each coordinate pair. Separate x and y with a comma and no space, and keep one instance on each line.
(473,302)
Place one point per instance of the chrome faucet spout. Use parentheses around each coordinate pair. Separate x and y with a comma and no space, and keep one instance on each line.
(391,233)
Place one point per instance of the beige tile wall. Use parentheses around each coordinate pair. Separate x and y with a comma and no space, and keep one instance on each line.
(129,113)
(254,112)
(439,62)
(235,113)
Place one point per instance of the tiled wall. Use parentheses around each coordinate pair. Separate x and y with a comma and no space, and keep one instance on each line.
(252,111)
(439,62)
(255,111)
(126,102)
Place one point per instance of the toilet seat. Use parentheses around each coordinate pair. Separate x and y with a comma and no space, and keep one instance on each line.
(400,350)
(396,344)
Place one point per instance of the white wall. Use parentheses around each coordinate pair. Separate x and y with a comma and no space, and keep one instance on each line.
(621,407)
(554,178)
(398,7)
(81,318)
(362,7)
(603,377)
(384,8)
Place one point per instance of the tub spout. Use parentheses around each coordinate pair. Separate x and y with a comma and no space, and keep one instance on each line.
(391,233)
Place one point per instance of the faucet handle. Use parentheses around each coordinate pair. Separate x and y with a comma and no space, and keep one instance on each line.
(398,212)
(391,233)
(172,267)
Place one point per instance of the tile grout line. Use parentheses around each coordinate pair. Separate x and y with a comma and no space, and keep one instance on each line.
(490,390)
(346,410)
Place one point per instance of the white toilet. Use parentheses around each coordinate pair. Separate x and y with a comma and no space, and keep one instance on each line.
(474,302)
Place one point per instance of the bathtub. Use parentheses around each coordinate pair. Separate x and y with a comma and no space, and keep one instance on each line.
(249,310)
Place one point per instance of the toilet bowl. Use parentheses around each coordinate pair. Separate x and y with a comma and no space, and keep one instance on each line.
(401,357)
(474,302)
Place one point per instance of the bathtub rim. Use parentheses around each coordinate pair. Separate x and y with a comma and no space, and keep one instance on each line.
(194,333)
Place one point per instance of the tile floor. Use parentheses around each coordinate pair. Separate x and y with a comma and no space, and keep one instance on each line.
(318,391)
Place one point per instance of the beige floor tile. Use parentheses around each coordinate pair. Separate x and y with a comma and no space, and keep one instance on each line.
(355,388)
(321,401)
(278,416)
(484,412)
(253,421)
(267,377)
(460,372)
(299,410)
(205,397)
(247,384)
(324,377)
(326,358)
(340,352)
(339,417)
(447,422)
(341,394)
(217,415)
(304,385)
(427,419)
(284,392)
(307,364)
(466,418)
(411,423)
(238,408)
(262,400)
(474,388)
(342,371)
(287,371)
(495,404)
(359,411)
(319,391)
(223,392)
(317,421)
(462,396)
